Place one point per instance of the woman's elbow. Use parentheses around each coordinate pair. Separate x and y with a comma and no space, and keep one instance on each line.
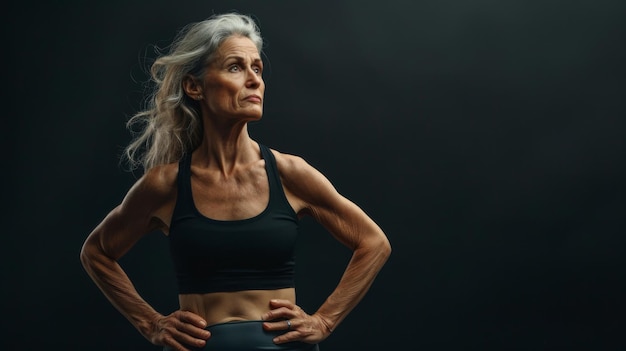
(86,253)
(90,252)
(385,246)
(379,245)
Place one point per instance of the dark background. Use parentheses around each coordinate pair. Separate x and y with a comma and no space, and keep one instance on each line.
(485,137)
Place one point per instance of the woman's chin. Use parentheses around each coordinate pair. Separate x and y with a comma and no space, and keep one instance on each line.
(253,115)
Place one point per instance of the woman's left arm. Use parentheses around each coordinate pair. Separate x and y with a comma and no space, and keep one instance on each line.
(313,194)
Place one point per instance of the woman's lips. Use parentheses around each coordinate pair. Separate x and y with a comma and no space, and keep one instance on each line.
(253,98)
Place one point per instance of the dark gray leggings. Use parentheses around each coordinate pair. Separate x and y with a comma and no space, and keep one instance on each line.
(247,336)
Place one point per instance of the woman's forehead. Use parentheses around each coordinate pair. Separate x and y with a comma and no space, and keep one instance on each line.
(238,46)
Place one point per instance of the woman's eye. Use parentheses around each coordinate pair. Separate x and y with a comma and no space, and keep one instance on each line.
(234,68)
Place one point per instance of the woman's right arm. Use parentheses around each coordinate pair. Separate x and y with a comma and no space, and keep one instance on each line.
(147,206)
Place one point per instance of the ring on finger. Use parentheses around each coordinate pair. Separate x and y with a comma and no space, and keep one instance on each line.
(288,324)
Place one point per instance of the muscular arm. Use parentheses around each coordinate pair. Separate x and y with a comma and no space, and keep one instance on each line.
(137,215)
(147,207)
(316,196)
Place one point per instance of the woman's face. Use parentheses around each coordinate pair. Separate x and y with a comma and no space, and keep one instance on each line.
(233,83)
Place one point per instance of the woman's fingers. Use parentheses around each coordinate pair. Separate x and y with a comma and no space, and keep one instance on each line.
(280,313)
(283,309)
(275,303)
(295,324)
(192,324)
(181,329)
(187,339)
(285,325)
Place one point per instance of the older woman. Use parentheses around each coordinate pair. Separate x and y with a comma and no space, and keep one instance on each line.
(229,205)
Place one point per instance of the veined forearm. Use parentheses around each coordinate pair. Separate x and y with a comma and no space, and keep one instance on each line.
(118,289)
(354,284)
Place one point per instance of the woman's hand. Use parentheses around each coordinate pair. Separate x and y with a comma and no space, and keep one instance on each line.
(179,329)
(297,324)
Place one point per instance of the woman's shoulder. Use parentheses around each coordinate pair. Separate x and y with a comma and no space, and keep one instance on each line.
(152,195)
(159,180)
(290,164)
(300,177)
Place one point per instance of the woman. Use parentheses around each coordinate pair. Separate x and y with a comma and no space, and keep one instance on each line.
(229,205)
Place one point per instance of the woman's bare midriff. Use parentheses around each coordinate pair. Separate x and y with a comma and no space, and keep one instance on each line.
(223,307)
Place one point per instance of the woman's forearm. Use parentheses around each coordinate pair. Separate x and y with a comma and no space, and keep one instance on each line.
(359,275)
(118,289)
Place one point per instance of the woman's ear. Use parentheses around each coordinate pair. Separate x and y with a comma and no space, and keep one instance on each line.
(192,87)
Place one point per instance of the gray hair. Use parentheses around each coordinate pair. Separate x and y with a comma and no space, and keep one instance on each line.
(171,123)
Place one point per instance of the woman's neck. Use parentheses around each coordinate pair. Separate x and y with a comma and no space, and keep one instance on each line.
(223,148)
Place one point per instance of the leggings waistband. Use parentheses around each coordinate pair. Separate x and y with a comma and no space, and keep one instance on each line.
(248,336)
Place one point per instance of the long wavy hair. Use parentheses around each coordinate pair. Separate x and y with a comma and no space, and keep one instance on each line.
(170,125)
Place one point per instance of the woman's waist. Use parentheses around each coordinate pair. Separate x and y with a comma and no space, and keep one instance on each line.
(248,335)
(221,307)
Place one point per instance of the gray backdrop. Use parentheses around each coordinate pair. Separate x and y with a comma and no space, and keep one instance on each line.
(485,137)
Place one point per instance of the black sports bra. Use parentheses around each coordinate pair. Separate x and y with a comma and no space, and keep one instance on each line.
(249,254)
